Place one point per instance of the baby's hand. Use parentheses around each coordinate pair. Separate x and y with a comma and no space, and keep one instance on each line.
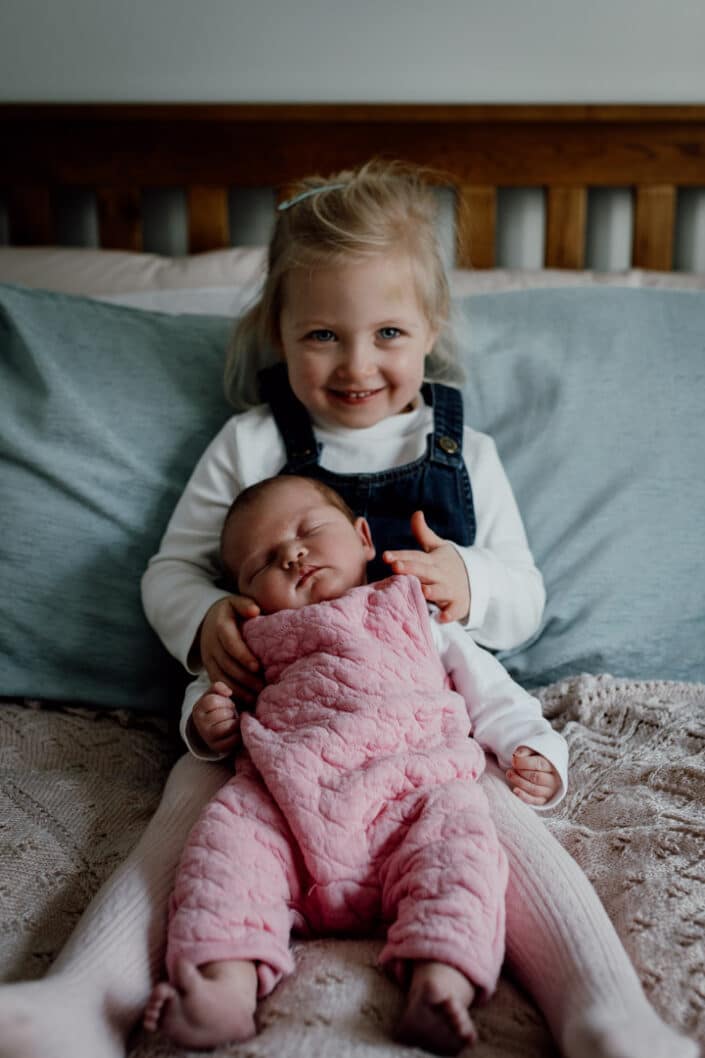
(439,567)
(224,653)
(532,777)
(215,718)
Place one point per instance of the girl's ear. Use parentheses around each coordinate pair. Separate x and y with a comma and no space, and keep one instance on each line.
(363,531)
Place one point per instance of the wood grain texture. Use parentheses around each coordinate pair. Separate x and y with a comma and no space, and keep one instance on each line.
(566,217)
(208,219)
(476,224)
(654,224)
(475,149)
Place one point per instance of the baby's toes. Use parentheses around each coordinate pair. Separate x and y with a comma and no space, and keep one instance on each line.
(461,1021)
(161,994)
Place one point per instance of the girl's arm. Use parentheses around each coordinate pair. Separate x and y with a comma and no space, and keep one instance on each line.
(507,594)
(503,715)
(178,586)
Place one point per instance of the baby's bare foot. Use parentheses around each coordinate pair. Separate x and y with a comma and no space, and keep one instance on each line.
(205,1005)
(436,1015)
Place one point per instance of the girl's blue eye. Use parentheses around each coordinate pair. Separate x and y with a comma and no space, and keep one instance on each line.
(389,332)
(322,335)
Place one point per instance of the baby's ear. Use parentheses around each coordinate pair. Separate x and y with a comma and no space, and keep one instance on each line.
(362,527)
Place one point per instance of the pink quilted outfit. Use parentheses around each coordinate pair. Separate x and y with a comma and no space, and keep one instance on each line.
(354,807)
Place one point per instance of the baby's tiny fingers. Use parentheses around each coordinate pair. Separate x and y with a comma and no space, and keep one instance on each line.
(515,778)
(452,611)
(526,758)
(223,728)
(223,745)
(529,799)
(536,778)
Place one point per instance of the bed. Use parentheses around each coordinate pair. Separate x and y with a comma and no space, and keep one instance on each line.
(593,385)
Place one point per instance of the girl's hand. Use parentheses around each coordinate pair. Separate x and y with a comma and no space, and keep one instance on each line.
(439,567)
(532,778)
(224,653)
(215,719)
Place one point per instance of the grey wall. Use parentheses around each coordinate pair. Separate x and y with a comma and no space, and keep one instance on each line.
(347,50)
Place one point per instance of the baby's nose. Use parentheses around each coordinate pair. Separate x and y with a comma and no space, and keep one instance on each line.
(292,553)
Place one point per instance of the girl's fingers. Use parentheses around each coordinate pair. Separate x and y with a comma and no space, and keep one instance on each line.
(425,536)
(234,669)
(244,689)
(234,648)
(244,606)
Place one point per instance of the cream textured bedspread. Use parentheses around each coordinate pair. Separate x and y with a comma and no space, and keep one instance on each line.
(78,786)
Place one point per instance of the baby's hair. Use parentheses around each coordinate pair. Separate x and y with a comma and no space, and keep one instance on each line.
(248,496)
(380,207)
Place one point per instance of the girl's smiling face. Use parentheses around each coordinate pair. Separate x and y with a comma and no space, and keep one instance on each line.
(355,339)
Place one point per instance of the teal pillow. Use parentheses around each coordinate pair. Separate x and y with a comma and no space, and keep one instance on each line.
(104,411)
(594,396)
(596,399)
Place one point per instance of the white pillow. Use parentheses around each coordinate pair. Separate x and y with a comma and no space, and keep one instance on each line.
(499,280)
(100,272)
(224,282)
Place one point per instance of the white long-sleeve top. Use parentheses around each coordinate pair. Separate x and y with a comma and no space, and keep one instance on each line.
(503,715)
(507,593)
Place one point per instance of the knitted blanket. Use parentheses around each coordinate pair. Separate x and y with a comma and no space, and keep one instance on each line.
(78,786)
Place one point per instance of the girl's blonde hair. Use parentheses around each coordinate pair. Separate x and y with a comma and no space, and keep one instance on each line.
(381,207)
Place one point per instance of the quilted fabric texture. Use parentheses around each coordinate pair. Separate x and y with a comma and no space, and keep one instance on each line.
(365,751)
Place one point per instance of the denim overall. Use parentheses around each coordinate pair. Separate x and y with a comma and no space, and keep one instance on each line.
(438,483)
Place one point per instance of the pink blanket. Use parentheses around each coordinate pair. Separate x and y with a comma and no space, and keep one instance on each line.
(362,807)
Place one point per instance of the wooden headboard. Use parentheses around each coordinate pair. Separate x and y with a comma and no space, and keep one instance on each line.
(117,150)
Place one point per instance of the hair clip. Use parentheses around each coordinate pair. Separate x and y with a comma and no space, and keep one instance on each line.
(308,194)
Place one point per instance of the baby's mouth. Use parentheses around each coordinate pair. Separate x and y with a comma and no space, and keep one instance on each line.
(306,574)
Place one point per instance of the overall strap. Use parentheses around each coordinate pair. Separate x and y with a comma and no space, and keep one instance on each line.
(446,447)
(291,417)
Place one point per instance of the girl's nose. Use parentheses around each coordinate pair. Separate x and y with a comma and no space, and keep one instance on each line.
(357,360)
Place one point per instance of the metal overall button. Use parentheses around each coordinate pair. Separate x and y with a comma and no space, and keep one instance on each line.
(448,445)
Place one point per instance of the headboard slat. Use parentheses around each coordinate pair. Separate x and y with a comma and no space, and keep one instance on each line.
(566,216)
(30,216)
(119,218)
(476,225)
(654,227)
(208,219)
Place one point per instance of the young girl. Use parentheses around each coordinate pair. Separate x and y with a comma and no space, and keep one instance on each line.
(353,316)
